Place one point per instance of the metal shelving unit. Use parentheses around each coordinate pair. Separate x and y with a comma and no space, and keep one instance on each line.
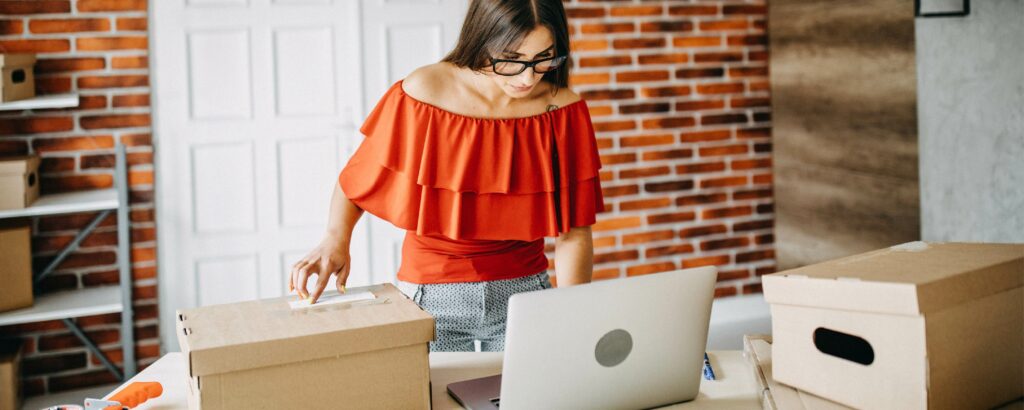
(71,304)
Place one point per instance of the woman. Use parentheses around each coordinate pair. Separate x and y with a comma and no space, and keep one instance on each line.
(478,157)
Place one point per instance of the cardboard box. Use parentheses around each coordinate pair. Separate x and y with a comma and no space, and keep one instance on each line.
(918,325)
(15,265)
(19,181)
(775,396)
(18,81)
(10,372)
(264,354)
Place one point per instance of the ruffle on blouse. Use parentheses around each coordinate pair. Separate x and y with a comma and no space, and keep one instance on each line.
(434,172)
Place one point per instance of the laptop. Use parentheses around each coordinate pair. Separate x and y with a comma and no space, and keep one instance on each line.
(636,342)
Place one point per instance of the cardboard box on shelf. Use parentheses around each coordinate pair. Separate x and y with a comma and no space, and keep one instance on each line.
(18,81)
(266,354)
(914,326)
(15,264)
(10,376)
(19,181)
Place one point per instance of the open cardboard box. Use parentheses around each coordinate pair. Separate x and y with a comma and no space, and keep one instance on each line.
(265,354)
(918,325)
(15,264)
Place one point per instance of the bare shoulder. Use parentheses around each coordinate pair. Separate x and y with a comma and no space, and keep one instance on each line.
(564,96)
(425,83)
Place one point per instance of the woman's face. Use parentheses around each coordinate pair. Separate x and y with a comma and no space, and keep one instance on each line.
(539,44)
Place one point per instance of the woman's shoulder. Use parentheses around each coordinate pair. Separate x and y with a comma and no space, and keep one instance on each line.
(426,83)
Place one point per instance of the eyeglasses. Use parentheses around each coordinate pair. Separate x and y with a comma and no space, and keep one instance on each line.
(514,67)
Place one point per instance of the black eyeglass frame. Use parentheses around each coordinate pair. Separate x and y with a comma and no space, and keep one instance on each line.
(526,65)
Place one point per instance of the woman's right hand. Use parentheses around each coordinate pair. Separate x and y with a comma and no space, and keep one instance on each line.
(330,257)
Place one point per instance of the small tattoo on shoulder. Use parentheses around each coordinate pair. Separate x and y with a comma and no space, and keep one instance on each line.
(552,107)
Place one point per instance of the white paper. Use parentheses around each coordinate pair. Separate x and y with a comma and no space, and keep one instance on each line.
(333,298)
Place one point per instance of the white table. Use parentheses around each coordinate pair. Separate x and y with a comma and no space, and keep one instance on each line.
(735,387)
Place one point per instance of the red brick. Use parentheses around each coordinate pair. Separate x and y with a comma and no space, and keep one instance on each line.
(699,136)
(759,71)
(723,182)
(705,261)
(627,11)
(725,291)
(68,340)
(743,164)
(37,365)
(720,88)
(669,154)
(644,108)
(68,25)
(11,27)
(727,275)
(718,57)
(743,9)
(111,5)
(678,249)
(727,212)
(584,12)
(35,124)
(644,172)
(600,110)
(605,242)
(666,186)
(700,167)
(140,273)
(16,7)
(113,81)
(129,62)
(644,237)
(617,223)
(693,10)
(750,288)
(697,105)
(697,231)
(755,256)
(700,72)
(754,133)
(131,100)
(762,179)
(76,183)
(73,143)
(606,28)
(668,122)
(737,102)
(670,58)
(762,116)
(35,45)
(647,140)
(752,194)
(700,199)
(701,41)
(605,274)
(725,243)
(650,268)
(719,119)
(605,143)
(72,221)
(645,204)
(605,61)
(624,158)
(140,178)
(613,191)
(765,208)
(764,270)
(723,150)
(616,256)
(646,75)
(672,91)
(764,239)
(53,85)
(132,24)
(607,126)
(633,43)
(671,217)
(762,147)
(753,225)
(112,43)
(665,26)
(723,25)
(621,94)
(13,147)
(142,215)
(57,164)
(88,102)
(114,121)
(746,40)
(759,25)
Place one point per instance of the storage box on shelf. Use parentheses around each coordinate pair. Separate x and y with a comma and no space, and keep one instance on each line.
(68,305)
(10,374)
(18,82)
(15,265)
(19,181)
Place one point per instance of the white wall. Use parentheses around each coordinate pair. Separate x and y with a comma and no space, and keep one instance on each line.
(971,123)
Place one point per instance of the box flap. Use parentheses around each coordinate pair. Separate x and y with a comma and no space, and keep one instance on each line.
(19,165)
(910,279)
(17,60)
(246,335)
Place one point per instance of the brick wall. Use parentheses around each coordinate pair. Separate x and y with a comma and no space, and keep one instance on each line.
(97,48)
(679,96)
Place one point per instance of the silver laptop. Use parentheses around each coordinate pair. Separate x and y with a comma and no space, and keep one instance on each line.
(636,342)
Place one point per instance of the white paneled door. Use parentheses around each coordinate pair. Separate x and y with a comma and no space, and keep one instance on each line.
(257,106)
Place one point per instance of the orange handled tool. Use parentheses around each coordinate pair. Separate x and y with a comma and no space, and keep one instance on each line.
(129,397)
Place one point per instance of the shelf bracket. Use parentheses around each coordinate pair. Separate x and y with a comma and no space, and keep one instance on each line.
(92,347)
(71,247)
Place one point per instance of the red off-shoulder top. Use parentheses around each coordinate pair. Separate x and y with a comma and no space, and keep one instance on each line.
(476,196)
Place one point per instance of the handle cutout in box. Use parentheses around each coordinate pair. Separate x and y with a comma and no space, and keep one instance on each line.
(844,346)
(18,76)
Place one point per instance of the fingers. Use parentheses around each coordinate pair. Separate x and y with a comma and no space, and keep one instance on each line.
(321,281)
(300,283)
(343,277)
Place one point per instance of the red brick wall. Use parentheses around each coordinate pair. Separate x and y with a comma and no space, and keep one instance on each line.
(98,48)
(679,96)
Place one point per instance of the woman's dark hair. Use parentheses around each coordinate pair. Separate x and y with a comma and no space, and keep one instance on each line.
(493,26)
